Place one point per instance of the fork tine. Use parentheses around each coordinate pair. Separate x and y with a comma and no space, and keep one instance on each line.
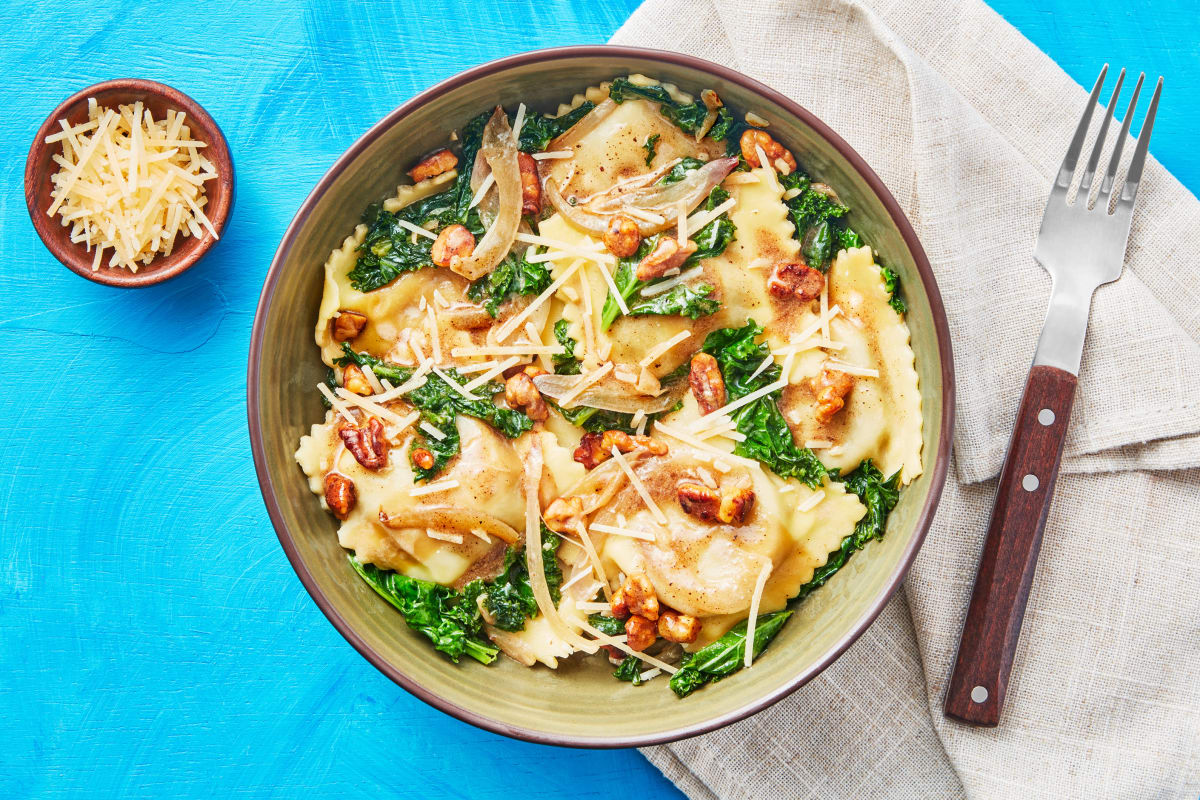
(1115,160)
(1067,171)
(1134,176)
(1089,172)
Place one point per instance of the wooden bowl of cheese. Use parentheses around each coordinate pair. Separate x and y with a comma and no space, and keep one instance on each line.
(129,182)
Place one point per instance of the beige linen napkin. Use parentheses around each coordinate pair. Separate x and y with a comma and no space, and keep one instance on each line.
(966,122)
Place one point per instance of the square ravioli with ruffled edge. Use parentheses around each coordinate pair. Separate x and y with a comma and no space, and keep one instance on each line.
(616,381)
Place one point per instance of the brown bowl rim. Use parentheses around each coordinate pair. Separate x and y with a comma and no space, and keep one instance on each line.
(192,250)
(940,464)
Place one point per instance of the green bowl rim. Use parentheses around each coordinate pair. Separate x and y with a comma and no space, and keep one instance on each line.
(939,468)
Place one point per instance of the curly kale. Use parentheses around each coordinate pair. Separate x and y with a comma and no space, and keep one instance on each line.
(818,220)
(891,282)
(565,363)
(688,117)
(538,130)
(879,495)
(768,437)
(692,302)
(726,655)
(450,619)
(512,277)
(649,146)
(440,405)
(509,598)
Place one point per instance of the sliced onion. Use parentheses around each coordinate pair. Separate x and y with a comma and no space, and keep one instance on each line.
(655,199)
(499,150)
(456,519)
(489,205)
(573,134)
(609,395)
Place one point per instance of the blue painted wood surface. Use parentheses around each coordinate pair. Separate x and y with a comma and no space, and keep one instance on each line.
(153,638)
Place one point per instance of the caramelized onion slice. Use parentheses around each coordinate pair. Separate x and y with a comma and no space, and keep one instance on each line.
(655,199)
(458,520)
(572,135)
(499,150)
(610,395)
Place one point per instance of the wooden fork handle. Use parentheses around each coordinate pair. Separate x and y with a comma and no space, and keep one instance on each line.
(993,625)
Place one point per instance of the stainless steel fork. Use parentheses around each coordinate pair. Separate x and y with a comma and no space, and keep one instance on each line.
(1082,245)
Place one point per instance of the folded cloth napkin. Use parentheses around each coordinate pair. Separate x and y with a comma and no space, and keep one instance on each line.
(966,122)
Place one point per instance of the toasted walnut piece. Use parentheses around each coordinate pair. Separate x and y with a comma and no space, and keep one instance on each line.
(622,236)
(422,458)
(640,596)
(708,387)
(699,501)
(831,387)
(455,241)
(596,448)
(521,393)
(676,627)
(437,163)
(796,279)
(355,381)
(339,494)
(641,633)
(347,325)
(619,604)
(665,256)
(367,444)
(531,185)
(735,505)
(563,514)
(533,370)
(753,138)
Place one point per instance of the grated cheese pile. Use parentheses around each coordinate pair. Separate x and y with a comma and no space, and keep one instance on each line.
(128,184)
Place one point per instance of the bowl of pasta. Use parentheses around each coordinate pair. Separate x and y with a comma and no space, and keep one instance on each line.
(600,396)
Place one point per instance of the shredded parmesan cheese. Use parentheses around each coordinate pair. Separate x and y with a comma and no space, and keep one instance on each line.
(852,369)
(715,416)
(564,248)
(491,373)
(130,184)
(479,533)
(482,191)
(456,538)
(602,528)
(613,291)
(434,333)
(518,122)
(698,221)
(703,447)
(681,226)
(752,620)
(811,502)
(376,409)
(454,385)
(663,286)
(338,405)
(553,154)
(662,347)
(639,487)
(432,431)
(433,488)
(511,324)
(568,398)
(416,229)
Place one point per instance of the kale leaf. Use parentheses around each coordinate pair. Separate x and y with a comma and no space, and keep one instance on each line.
(538,129)
(879,495)
(609,626)
(891,282)
(680,171)
(768,437)
(450,619)
(688,117)
(726,655)
(470,140)
(630,669)
(440,405)
(509,598)
(817,218)
(512,276)
(565,363)
(596,420)
(649,147)
(684,301)
(711,240)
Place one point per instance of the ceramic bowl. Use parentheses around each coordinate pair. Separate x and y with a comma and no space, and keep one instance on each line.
(580,704)
(158,98)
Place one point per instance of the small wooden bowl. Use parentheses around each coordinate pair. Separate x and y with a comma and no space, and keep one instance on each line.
(158,98)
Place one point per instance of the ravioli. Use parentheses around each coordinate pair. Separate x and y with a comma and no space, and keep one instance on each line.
(665,482)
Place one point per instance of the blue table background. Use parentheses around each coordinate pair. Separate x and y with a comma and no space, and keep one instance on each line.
(153,638)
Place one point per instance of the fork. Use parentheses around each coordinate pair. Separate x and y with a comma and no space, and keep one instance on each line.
(1082,246)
